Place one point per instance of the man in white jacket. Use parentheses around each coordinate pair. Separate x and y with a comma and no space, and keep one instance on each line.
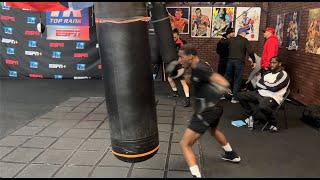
(271,88)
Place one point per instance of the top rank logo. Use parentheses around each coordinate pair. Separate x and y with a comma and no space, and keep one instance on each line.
(80,45)
(31,20)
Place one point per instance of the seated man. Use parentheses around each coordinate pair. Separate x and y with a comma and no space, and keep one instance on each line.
(271,88)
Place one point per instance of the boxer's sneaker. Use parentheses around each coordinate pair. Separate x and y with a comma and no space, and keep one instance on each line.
(231,156)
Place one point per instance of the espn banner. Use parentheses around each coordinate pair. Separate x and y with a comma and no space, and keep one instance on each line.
(67,49)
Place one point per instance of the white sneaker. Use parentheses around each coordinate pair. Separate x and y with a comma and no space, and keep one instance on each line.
(222,98)
(273,129)
(249,121)
(233,100)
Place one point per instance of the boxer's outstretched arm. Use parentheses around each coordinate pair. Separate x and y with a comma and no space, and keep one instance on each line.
(217,78)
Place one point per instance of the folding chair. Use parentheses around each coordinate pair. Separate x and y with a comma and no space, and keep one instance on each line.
(281,105)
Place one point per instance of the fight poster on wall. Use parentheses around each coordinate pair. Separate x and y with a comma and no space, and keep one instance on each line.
(279,28)
(222,19)
(179,18)
(249,18)
(313,34)
(201,22)
(68,25)
(293,20)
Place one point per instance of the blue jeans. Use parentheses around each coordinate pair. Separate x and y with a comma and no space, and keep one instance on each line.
(234,75)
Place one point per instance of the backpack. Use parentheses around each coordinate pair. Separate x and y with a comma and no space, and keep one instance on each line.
(311,115)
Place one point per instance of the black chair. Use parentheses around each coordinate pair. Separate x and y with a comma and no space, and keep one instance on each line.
(281,106)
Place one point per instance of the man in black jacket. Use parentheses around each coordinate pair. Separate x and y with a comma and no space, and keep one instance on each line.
(223,51)
(238,48)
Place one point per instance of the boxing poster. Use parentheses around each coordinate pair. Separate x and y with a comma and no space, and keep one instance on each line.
(201,22)
(179,18)
(293,20)
(249,18)
(313,33)
(222,19)
(279,28)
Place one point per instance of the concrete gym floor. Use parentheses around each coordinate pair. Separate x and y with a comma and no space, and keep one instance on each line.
(34,132)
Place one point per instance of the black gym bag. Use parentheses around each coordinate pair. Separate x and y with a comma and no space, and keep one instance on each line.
(311,115)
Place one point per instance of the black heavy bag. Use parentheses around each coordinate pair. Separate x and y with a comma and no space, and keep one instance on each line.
(125,55)
(162,27)
(154,48)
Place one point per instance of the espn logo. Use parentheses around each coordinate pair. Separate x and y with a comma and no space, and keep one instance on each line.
(32,43)
(68,32)
(80,45)
(56,45)
(7,18)
(80,55)
(57,66)
(9,41)
(34,64)
(32,33)
(81,77)
(11,62)
(81,67)
(13,74)
(10,50)
(31,20)
(58,76)
(5,7)
(7,30)
(33,53)
(56,54)
(36,75)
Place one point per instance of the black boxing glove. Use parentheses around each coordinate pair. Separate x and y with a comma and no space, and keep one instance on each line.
(175,69)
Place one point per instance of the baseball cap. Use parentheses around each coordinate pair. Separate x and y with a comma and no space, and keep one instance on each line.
(270,29)
(241,30)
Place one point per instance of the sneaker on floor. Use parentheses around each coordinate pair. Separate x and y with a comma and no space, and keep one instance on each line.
(174,94)
(231,156)
(234,101)
(249,122)
(273,129)
(187,102)
(222,98)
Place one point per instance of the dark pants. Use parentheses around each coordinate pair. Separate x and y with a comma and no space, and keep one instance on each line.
(234,74)
(265,105)
(222,67)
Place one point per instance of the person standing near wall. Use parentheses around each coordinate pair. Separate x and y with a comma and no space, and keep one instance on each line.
(223,51)
(270,48)
(238,48)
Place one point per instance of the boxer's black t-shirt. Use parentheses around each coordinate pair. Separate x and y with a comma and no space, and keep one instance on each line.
(200,76)
(200,80)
